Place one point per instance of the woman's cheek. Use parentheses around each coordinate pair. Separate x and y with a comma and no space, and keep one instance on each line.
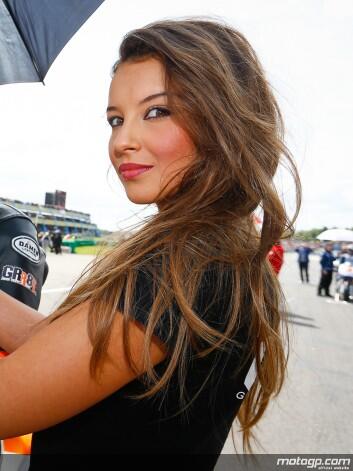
(171,144)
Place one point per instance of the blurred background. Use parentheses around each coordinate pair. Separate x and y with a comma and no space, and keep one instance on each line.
(55,137)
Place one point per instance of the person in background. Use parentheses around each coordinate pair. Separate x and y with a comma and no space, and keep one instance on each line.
(276,257)
(23,266)
(51,241)
(336,249)
(326,263)
(23,271)
(303,261)
(39,237)
(346,253)
(44,241)
(57,241)
(344,277)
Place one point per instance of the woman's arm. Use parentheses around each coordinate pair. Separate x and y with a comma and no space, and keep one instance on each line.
(47,379)
(17,322)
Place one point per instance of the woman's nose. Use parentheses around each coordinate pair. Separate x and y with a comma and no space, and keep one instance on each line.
(125,139)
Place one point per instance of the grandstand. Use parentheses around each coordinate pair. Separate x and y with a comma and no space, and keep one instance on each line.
(48,217)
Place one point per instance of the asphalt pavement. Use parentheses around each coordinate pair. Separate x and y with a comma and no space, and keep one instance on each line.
(314,412)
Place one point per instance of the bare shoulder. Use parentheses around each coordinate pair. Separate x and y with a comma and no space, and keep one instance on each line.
(47,379)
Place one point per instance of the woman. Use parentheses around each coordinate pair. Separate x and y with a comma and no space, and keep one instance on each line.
(154,349)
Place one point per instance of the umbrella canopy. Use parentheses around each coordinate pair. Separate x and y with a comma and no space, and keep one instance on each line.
(336,235)
(33,32)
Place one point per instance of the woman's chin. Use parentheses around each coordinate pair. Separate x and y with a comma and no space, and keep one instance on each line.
(140,199)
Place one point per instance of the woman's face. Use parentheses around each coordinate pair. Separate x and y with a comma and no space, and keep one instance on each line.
(144,131)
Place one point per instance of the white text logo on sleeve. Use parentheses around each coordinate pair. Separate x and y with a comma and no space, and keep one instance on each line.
(27,247)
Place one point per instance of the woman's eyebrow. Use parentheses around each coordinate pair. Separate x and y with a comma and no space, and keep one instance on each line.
(151,97)
(148,98)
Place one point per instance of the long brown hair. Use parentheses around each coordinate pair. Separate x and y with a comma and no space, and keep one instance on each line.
(220,95)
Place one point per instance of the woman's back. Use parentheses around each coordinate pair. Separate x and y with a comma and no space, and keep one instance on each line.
(119,424)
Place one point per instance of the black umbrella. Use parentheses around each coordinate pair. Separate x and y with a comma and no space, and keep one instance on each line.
(33,32)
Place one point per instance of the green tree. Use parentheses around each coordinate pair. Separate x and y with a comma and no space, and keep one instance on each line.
(310,234)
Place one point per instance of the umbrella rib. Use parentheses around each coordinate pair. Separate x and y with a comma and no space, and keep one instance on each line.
(23,40)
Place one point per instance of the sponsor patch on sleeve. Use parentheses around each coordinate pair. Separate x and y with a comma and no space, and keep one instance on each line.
(18,276)
(27,247)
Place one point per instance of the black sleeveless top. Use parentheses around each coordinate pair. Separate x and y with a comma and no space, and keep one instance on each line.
(119,424)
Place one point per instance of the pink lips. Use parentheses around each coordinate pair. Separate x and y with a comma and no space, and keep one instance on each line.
(129,171)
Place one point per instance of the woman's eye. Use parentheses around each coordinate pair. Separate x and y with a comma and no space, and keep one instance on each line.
(157,112)
(114,121)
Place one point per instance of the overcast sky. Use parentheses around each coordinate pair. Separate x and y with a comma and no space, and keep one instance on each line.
(55,136)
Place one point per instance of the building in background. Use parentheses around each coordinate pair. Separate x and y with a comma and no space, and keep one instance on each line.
(60,199)
(53,215)
(49,199)
(57,199)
